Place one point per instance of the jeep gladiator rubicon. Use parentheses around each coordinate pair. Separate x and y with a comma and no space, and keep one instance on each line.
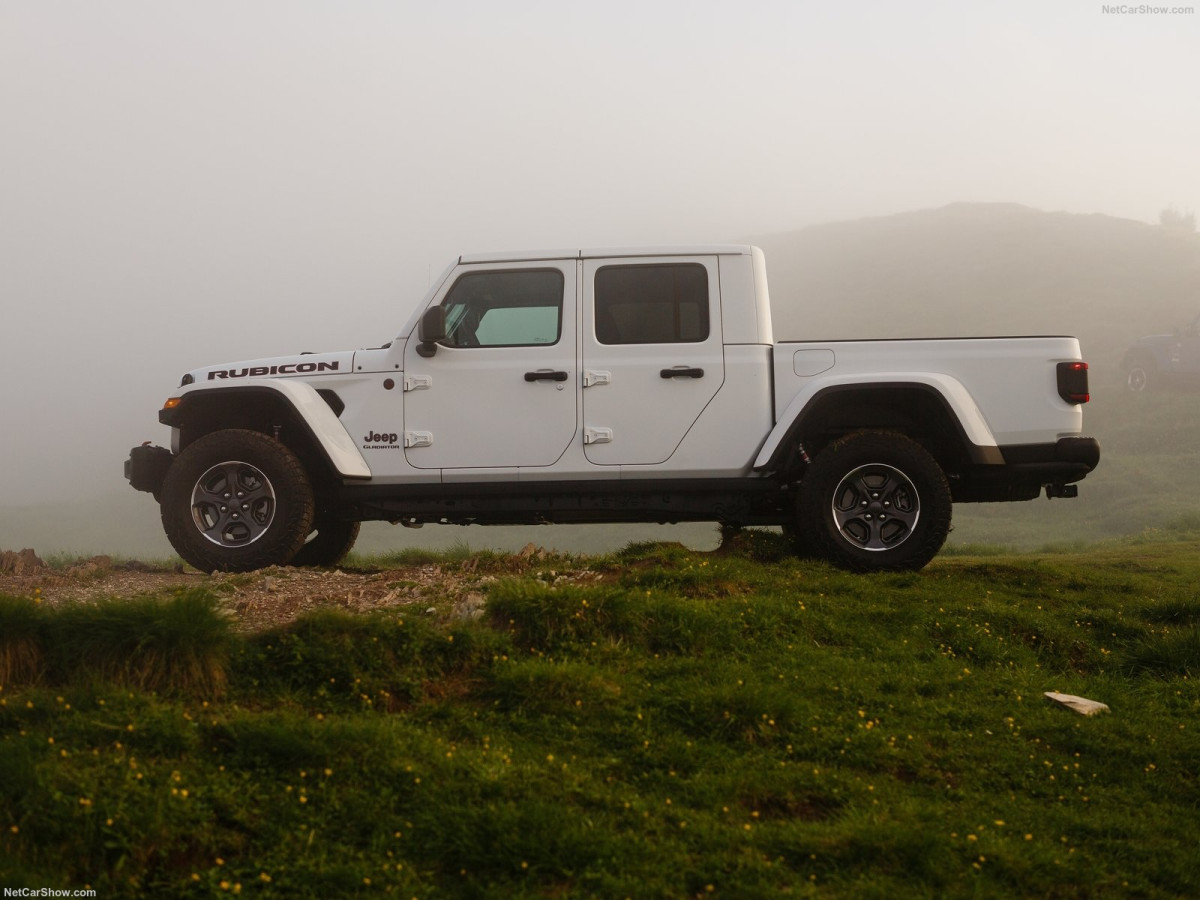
(614,386)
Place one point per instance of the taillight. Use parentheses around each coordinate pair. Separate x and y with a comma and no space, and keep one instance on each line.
(1073,382)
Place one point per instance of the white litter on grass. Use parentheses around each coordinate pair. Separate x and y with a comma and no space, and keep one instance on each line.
(1081,705)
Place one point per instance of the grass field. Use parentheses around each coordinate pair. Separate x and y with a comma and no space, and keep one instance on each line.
(670,724)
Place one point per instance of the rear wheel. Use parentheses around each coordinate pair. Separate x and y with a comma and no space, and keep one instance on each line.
(875,501)
(236,500)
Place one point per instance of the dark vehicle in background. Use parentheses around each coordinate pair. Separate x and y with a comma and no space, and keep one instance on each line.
(1162,360)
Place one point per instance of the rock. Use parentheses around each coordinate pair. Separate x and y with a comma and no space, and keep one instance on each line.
(24,563)
(91,566)
(1081,705)
(469,607)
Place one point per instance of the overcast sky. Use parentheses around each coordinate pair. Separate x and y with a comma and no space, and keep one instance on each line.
(184,183)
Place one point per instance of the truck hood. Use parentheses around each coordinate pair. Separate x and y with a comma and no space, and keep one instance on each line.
(304,365)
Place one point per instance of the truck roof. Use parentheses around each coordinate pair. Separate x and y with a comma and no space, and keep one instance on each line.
(609,252)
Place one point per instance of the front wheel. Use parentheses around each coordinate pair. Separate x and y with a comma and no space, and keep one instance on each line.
(875,501)
(236,500)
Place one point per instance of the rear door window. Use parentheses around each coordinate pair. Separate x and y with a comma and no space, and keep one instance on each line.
(652,304)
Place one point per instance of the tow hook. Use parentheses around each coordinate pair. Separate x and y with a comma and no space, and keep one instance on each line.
(1061,490)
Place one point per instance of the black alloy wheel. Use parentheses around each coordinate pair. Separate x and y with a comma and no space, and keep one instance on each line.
(236,500)
(875,501)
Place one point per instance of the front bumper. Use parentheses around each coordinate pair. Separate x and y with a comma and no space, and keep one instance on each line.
(147,467)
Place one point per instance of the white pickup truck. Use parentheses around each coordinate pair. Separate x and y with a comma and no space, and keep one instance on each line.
(632,385)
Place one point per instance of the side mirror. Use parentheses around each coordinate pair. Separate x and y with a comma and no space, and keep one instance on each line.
(430,330)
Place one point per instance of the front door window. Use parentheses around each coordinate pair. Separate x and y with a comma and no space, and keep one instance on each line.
(505,309)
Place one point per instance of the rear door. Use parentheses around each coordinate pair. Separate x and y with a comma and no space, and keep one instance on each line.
(652,355)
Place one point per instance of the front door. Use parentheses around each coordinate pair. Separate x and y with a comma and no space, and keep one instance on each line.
(652,355)
(500,389)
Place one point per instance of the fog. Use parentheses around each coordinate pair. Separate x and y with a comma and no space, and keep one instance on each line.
(192,183)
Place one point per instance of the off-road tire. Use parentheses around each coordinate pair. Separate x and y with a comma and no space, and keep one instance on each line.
(236,500)
(329,543)
(875,501)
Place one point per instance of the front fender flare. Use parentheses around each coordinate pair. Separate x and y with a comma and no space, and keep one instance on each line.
(303,399)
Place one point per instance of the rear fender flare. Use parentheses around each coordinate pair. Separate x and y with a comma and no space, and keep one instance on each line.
(973,430)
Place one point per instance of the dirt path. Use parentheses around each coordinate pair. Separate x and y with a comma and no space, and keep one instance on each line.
(277,595)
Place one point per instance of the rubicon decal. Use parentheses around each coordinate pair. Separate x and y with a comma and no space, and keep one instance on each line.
(285,369)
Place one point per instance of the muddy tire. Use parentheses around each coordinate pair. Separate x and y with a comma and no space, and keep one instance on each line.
(236,500)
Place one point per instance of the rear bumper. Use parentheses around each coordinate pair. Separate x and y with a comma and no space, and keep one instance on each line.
(1067,460)
(147,467)
(1028,468)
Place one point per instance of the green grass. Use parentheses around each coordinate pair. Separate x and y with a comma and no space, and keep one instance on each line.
(61,562)
(180,645)
(734,724)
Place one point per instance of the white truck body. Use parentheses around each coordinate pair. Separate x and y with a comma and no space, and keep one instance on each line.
(588,373)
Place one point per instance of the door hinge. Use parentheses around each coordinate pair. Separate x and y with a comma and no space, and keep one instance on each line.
(418,382)
(418,439)
(591,377)
(597,435)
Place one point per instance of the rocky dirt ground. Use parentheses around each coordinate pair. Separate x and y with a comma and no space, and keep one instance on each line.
(277,595)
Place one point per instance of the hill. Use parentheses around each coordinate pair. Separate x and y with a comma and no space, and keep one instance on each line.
(980,269)
(657,723)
